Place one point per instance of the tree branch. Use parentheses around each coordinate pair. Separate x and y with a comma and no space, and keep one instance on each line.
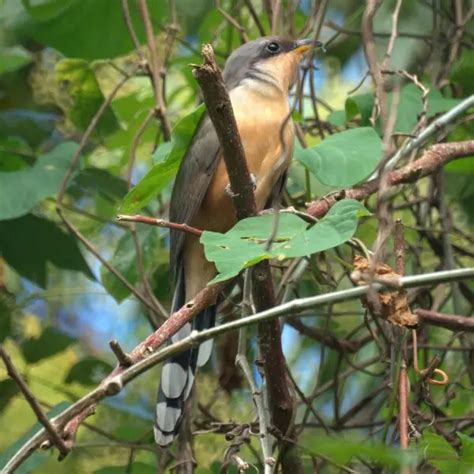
(453,322)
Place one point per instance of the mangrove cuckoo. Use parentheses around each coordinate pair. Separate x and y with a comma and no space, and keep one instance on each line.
(258,76)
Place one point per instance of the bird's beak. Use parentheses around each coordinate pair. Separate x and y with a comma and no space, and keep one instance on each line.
(304,45)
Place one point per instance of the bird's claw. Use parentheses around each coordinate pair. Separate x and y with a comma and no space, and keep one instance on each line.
(253,180)
(229,192)
(228,188)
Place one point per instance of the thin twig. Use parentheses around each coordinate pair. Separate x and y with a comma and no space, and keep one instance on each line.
(160,223)
(34,404)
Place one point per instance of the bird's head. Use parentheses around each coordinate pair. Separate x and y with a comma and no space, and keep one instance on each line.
(270,61)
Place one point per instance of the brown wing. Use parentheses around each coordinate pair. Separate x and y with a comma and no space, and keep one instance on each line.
(191,184)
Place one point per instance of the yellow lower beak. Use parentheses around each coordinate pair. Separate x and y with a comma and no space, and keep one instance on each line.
(305,45)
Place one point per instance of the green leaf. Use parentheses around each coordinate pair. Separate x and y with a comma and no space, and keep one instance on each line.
(15,154)
(162,152)
(125,260)
(7,310)
(8,389)
(29,243)
(343,450)
(21,190)
(80,82)
(356,106)
(39,456)
(343,159)
(100,181)
(245,244)
(164,171)
(439,453)
(88,371)
(467,451)
(410,106)
(77,28)
(13,58)
(462,71)
(50,342)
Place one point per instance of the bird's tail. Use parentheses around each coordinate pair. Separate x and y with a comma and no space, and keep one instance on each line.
(177,373)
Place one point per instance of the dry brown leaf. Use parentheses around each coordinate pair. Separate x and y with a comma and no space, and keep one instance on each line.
(391,305)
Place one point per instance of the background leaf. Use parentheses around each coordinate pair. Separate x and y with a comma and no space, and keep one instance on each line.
(21,190)
(88,371)
(50,342)
(13,58)
(343,159)
(29,243)
(164,171)
(125,260)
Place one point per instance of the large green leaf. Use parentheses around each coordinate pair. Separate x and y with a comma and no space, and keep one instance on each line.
(88,371)
(7,308)
(79,80)
(21,190)
(165,169)
(411,105)
(245,244)
(13,58)
(50,342)
(8,389)
(89,29)
(125,260)
(462,71)
(29,243)
(343,159)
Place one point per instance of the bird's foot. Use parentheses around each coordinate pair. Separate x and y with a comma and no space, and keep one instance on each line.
(228,188)
(253,180)
(229,192)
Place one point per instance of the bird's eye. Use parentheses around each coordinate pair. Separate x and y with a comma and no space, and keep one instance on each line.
(273,48)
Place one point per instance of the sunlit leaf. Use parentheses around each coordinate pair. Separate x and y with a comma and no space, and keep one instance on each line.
(164,171)
(21,190)
(13,58)
(78,78)
(246,243)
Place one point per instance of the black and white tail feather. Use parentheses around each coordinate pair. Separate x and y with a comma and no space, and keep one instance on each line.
(178,372)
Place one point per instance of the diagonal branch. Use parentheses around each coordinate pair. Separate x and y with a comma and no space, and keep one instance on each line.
(220,111)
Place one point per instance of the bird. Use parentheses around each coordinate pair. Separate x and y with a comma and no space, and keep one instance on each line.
(258,76)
